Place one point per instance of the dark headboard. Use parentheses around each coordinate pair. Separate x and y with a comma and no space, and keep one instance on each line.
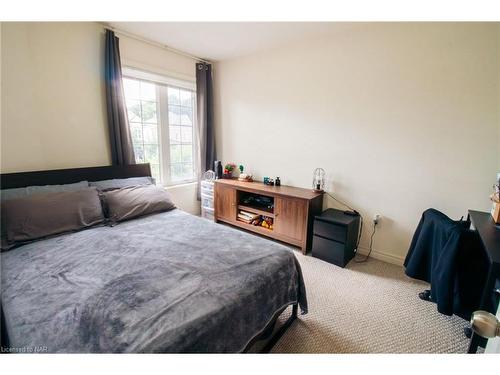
(68,176)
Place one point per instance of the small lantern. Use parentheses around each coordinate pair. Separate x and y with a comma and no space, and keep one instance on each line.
(318,179)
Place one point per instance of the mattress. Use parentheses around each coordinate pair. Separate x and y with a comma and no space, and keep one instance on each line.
(164,283)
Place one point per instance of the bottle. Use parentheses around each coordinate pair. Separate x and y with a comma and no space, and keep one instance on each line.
(218,169)
(277,182)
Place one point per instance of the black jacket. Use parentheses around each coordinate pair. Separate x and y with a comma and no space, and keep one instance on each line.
(450,257)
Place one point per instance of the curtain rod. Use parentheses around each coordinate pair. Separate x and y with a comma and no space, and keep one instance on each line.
(156,44)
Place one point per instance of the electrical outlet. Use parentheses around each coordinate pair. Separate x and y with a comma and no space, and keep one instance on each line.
(376,218)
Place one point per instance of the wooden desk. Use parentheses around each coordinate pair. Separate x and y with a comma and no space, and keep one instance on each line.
(489,232)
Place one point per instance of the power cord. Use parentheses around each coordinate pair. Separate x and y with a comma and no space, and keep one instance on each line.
(342,203)
(360,232)
(370,248)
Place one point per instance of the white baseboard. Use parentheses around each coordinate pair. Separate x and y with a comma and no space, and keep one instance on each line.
(384,257)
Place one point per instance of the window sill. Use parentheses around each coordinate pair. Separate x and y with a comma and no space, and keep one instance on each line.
(181,185)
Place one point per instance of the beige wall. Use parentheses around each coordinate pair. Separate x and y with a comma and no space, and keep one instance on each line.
(498,79)
(149,57)
(402,117)
(53,97)
(1,25)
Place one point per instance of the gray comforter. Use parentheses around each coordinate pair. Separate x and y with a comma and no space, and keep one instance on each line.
(169,282)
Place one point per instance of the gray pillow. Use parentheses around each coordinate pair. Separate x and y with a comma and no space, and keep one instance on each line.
(130,202)
(42,215)
(30,190)
(119,183)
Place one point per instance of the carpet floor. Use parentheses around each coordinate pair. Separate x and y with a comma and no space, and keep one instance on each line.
(369,307)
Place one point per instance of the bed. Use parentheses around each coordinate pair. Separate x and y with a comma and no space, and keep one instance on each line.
(168,282)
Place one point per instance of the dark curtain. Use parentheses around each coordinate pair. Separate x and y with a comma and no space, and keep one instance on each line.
(122,150)
(205,118)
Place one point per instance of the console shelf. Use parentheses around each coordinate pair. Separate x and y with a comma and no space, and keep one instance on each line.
(256,210)
(292,209)
(253,228)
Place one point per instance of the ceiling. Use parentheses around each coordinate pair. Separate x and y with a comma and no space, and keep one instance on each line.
(227,40)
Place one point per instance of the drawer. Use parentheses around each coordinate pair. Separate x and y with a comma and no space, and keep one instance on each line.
(207,203)
(329,230)
(207,186)
(206,196)
(330,251)
(207,213)
(207,192)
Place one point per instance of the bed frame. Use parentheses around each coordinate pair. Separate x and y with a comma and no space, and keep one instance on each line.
(270,334)
(72,175)
(68,176)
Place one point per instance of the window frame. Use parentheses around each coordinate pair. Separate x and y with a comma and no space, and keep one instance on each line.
(162,83)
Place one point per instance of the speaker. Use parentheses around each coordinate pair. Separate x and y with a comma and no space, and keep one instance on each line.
(218,169)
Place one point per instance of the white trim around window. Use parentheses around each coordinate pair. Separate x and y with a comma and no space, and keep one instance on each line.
(168,144)
(150,76)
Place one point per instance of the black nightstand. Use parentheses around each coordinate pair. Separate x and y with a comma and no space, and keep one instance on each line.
(335,236)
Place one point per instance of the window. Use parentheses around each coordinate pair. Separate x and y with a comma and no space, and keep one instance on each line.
(142,103)
(161,113)
(180,120)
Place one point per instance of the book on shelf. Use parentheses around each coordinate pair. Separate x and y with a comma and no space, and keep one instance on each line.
(244,219)
(247,215)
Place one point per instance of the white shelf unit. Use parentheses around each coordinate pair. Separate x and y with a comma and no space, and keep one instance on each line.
(207,199)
